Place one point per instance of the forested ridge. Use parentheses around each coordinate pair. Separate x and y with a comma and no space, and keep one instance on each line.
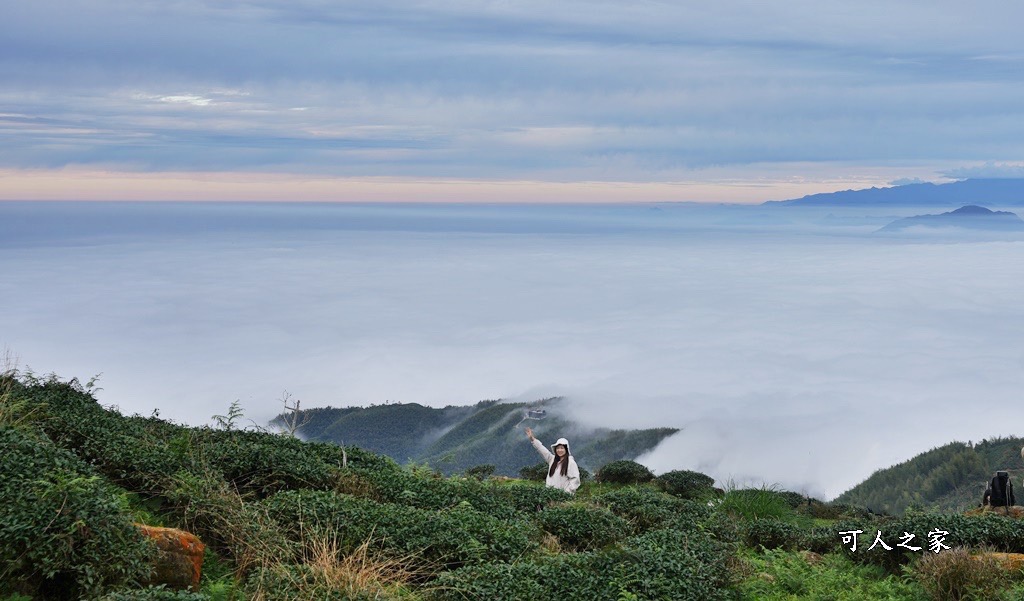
(951,477)
(454,438)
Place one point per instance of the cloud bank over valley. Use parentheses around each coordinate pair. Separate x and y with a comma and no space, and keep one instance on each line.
(800,353)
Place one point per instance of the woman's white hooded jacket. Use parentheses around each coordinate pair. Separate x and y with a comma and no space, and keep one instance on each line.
(571,480)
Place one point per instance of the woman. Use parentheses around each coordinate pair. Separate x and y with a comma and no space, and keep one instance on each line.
(562,469)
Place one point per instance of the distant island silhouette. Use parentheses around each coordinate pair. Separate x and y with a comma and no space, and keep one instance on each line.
(969,217)
(999,192)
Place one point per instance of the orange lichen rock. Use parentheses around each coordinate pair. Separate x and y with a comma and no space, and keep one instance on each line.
(179,561)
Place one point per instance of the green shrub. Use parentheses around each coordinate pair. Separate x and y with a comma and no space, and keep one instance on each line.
(64,532)
(227,522)
(539,473)
(120,448)
(836,511)
(662,565)
(756,503)
(795,500)
(507,500)
(779,575)
(989,530)
(675,565)
(261,462)
(451,538)
(581,527)
(551,578)
(821,539)
(771,533)
(502,500)
(646,509)
(954,575)
(534,473)
(481,472)
(154,593)
(624,472)
(686,484)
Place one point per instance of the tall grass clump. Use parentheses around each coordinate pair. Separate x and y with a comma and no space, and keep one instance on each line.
(778,575)
(328,571)
(227,521)
(757,504)
(955,574)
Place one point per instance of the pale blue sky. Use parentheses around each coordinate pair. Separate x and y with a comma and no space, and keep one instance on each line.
(436,100)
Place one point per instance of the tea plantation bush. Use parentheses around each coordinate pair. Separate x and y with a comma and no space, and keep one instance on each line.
(771,533)
(661,565)
(686,484)
(501,500)
(991,530)
(64,533)
(155,593)
(445,538)
(539,473)
(120,448)
(624,472)
(646,509)
(507,500)
(580,527)
(821,539)
(534,473)
(261,462)
(675,566)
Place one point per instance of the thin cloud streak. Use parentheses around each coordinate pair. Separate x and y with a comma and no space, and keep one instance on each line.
(527,92)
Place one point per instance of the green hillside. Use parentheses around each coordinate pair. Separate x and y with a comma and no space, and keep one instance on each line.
(285,520)
(452,439)
(952,477)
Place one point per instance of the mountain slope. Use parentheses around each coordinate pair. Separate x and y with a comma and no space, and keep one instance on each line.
(969,217)
(998,192)
(455,438)
(952,477)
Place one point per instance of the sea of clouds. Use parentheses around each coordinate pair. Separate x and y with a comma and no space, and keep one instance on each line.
(793,349)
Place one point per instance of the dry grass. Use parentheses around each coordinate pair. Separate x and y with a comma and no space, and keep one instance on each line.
(954,575)
(13,411)
(549,544)
(350,483)
(363,569)
(328,572)
(219,514)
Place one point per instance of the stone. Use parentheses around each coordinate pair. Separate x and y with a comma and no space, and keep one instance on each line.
(179,558)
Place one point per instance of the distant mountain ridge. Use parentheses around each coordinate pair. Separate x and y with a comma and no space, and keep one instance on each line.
(969,217)
(998,192)
(454,438)
(952,477)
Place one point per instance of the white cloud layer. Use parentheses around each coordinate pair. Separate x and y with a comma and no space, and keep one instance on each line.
(799,351)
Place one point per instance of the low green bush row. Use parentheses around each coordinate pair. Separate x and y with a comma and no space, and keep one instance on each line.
(658,565)
(990,530)
(65,533)
(443,538)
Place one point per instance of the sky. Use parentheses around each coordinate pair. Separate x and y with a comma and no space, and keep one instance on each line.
(496,101)
(801,350)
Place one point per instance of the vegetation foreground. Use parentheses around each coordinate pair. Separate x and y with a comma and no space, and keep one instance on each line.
(287,520)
